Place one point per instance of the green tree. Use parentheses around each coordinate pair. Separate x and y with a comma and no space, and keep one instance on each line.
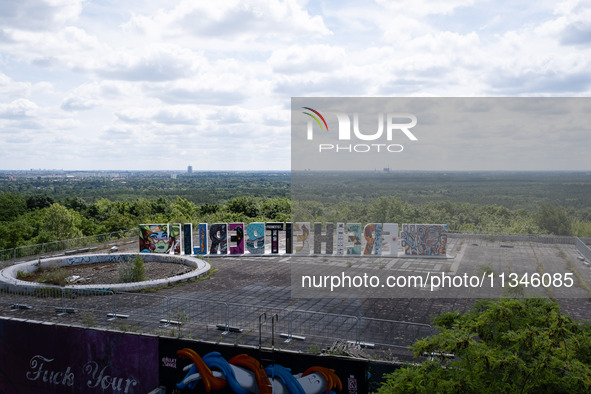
(141,208)
(11,206)
(118,222)
(387,210)
(60,223)
(39,201)
(206,209)
(554,219)
(504,346)
(276,209)
(182,210)
(75,203)
(101,210)
(245,205)
(17,232)
(161,206)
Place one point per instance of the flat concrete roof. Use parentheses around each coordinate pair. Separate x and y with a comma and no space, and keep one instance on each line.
(255,284)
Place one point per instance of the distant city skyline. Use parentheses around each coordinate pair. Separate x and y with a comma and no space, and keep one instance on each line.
(162,85)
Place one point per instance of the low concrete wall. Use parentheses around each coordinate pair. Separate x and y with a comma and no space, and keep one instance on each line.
(9,275)
(544,239)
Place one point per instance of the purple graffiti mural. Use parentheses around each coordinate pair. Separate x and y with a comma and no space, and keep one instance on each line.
(74,360)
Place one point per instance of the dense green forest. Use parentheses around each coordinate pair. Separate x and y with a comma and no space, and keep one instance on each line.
(199,188)
(511,190)
(557,203)
(44,209)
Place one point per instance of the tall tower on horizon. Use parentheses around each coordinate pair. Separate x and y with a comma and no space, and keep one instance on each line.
(189,169)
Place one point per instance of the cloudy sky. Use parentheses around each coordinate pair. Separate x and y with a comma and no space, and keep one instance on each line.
(161,84)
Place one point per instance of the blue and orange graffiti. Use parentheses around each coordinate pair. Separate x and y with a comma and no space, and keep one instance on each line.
(244,374)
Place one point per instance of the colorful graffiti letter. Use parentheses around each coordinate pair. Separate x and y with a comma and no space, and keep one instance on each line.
(274,228)
(302,234)
(373,238)
(340,239)
(201,247)
(288,239)
(256,238)
(188,238)
(154,238)
(236,238)
(325,238)
(354,238)
(424,239)
(175,234)
(390,235)
(218,238)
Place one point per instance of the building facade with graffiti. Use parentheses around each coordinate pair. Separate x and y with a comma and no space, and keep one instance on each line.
(81,360)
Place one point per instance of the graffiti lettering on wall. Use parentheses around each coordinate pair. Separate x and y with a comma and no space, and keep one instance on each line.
(218,237)
(175,234)
(76,360)
(78,260)
(199,368)
(352,239)
(155,238)
(79,360)
(236,238)
(244,373)
(201,243)
(255,241)
(188,238)
(424,239)
(41,371)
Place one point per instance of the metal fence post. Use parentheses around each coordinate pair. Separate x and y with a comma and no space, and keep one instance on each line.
(289,325)
(114,305)
(16,296)
(227,317)
(63,300)
(167,309)
(273,319)
(261,327)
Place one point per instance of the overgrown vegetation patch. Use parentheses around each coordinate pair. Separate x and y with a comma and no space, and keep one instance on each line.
(132,271)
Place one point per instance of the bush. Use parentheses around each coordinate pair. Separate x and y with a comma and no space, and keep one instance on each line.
(24,275)
(132,271)
(55,276)
(501,346)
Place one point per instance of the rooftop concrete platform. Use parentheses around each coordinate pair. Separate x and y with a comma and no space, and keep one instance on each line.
(252,286)
(267,280)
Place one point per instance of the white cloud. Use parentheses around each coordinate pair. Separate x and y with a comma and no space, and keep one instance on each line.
(232,20)
(38,14)
(10,89)
(298,59)
(150,63)
(84,97)
(18,109)
(169,115)
(424,7)
(120,80)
